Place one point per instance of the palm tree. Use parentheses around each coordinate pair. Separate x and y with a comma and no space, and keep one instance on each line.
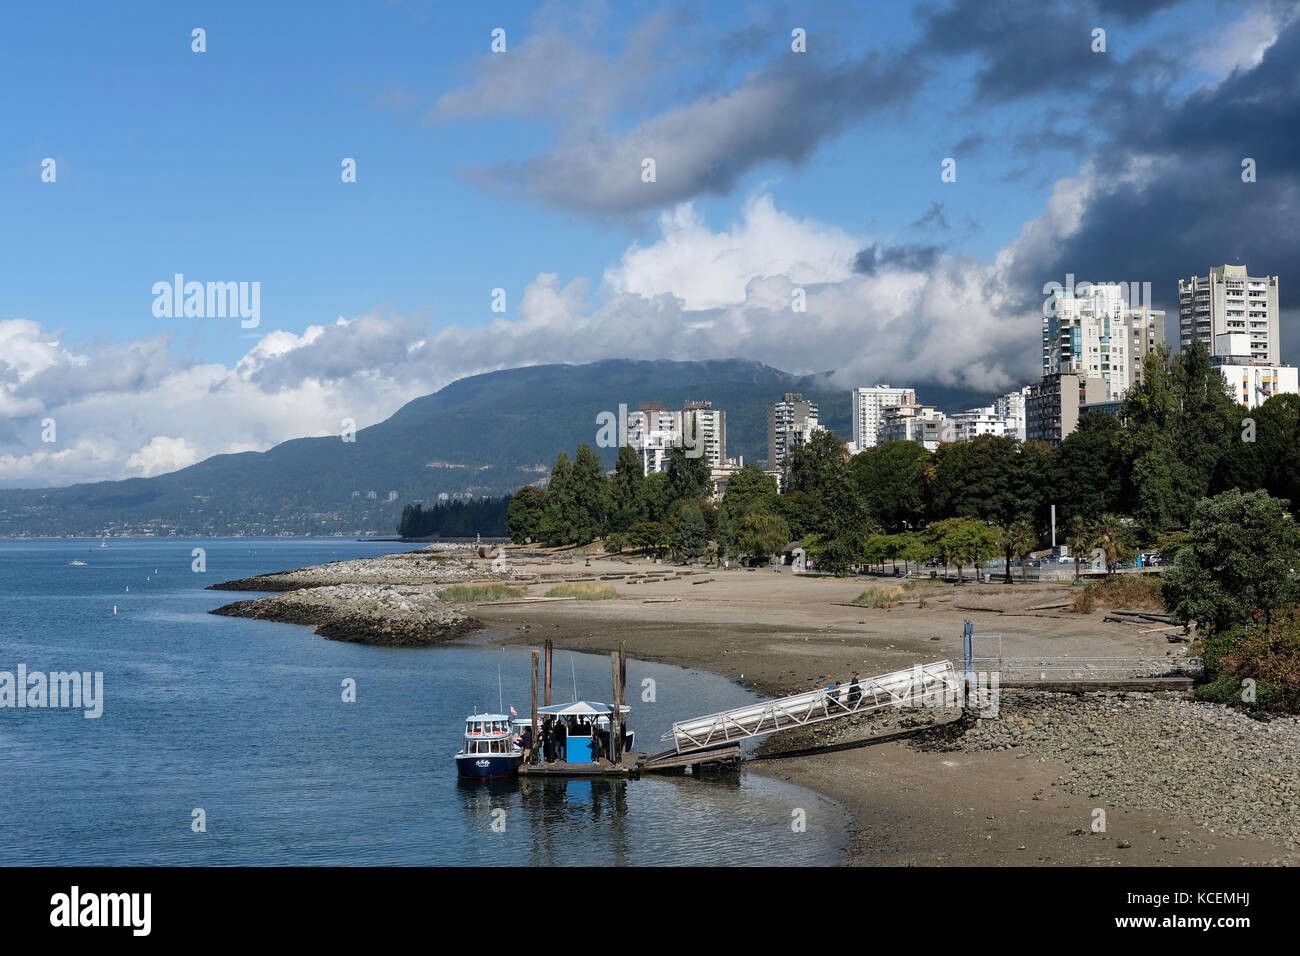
(1079,537)
(1022,538)
(1110,538)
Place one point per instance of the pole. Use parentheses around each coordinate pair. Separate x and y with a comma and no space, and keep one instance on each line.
(532,757)
(1053,530)
(614,735)
(549,651)
(622,692)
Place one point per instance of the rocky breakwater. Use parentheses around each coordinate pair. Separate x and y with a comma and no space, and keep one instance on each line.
(390,615)
(391,600)
(1226,770)
(426,566)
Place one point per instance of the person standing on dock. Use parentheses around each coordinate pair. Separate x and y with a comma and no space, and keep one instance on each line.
(561,742)
(548,740)
(526,743)
(855,691)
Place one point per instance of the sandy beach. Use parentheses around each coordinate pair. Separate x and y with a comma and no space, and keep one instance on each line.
(1178,782)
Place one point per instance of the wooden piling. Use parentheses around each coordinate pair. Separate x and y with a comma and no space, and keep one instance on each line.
(615,734)
(550,648)
(532,757)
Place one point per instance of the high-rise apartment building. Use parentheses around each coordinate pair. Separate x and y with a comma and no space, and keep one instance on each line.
(1230,301)
(791,422)
(706,426)
(1011,409)
(1093,331)
(869,406)
(654,431)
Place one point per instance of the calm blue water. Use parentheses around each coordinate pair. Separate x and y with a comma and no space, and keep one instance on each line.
(245,720)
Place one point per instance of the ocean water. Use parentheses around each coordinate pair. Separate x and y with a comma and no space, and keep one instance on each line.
(245,721)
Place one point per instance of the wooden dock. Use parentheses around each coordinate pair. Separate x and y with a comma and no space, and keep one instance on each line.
(633,765)
(630,766)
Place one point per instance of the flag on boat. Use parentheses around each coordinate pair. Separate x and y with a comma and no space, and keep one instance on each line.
(513,712)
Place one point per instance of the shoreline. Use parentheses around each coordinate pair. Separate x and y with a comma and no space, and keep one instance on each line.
(1032,798)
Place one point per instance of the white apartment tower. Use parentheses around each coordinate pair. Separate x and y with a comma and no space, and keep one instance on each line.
(654,431)
(791,422)
(1230,301)
(869,406)
(1092,331)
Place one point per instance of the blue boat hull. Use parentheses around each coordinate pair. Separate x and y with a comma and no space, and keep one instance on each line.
(487,766)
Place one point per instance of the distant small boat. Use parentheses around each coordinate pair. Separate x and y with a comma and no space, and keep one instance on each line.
(74,563)
(490,749)
(103,544)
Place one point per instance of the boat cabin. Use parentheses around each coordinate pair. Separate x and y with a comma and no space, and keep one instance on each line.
(488,734)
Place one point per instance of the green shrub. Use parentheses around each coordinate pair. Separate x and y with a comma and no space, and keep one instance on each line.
(583,591)
(478,593)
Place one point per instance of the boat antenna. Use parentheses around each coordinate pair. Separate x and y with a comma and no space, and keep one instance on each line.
(501,707)
(575,679)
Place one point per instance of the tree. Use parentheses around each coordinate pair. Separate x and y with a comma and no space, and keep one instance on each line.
(691,537)
(1238,565)
(556,525)
(748,488)
(1087,468)
(649,536)
(655,498)
(816,465)
(1080,538)
(1208,419)
(590,497)
(524,516)
(962,541)
(688,477)
(761,534)
(890,480)
(1116,541)
(625,486)
(615,543)
(1019,539)
(1157,481)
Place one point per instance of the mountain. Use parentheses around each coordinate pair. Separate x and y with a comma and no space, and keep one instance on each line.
(483,435)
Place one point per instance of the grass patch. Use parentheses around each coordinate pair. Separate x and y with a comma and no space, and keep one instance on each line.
(885,597)
(478,593)
(583,591)
(1123,591)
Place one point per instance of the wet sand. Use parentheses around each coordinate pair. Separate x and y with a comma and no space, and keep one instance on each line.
(777,632)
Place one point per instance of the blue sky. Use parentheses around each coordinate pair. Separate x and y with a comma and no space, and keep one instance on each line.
(478,170)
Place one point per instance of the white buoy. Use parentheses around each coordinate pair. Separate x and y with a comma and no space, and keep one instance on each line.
(114,608)
(128,587)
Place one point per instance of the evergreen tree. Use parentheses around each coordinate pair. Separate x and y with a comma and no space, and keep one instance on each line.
(555,526)
(625,488)
(524,517)
(590,497)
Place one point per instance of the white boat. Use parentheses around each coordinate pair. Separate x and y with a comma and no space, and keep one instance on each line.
(74,563)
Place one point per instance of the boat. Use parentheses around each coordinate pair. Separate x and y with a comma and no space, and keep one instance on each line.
(74,563)
(491,749)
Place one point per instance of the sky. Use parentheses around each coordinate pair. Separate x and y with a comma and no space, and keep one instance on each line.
(501,213)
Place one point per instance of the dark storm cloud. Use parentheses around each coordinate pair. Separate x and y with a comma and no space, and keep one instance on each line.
(917,258)
(1192,210)
(783,112)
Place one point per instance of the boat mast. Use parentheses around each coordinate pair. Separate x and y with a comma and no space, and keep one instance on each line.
(575,679)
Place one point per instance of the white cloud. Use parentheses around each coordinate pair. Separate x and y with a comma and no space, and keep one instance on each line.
(162,455)
(710,269)
(694,294)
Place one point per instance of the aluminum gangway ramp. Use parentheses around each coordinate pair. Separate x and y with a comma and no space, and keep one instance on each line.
(915,686)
